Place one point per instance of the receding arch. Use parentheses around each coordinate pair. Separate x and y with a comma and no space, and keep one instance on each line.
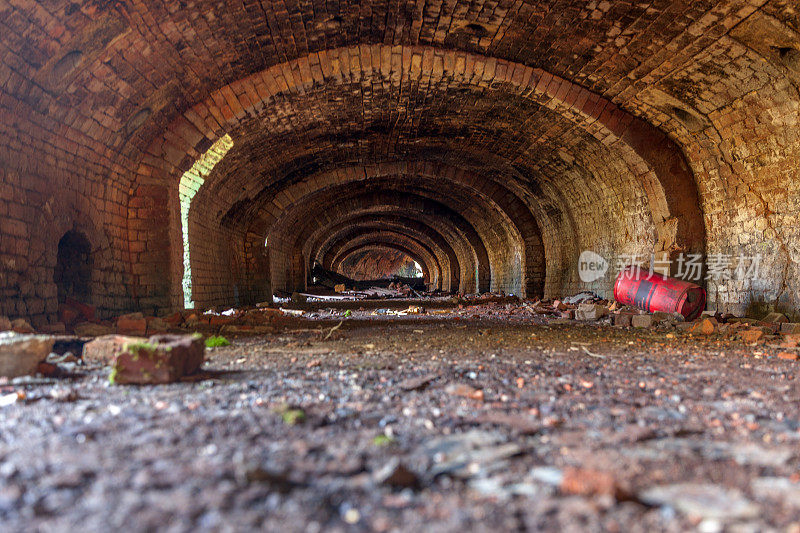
(483,210)
(460,248)
(408,245)
(331,252)
(380,262)
(664,171)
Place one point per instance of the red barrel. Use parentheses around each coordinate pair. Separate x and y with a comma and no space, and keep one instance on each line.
(655,292)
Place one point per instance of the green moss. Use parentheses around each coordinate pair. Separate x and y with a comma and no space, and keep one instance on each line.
(142,346)
(383,440)
(293,416)
(112,378)
(217,341)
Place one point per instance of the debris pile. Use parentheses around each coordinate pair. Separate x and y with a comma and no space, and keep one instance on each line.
(322,277)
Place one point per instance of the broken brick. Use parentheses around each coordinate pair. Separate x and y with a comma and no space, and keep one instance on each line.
(751,335)
(589,311)
(706,326)
(160,359)
(133,324)
(105,349)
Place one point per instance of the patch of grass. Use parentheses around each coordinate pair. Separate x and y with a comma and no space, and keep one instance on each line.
(216,341)
(293,417)
(348,313)
(383,440)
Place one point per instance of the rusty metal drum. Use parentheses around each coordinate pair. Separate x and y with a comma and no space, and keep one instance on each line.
(653,292)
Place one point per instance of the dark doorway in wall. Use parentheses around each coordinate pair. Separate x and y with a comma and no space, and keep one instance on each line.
(73,273)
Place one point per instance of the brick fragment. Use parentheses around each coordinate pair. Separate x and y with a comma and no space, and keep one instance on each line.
(159,360)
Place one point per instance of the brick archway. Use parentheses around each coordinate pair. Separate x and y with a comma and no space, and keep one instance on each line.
(664,172)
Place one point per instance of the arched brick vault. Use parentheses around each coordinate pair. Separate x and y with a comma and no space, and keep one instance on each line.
(505,238)
(493,222)
(470,249)
(459,252)
(413,207)
(354,238)
(419,250)
(378,262)
(387,247)
(634,140)
(353,252)
(451,277)
(98,101)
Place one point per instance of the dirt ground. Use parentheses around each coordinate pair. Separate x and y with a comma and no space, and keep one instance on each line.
(430,422)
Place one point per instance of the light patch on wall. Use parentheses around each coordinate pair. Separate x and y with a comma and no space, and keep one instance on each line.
(191,181)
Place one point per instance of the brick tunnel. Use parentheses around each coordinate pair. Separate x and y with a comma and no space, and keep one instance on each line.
(164,162)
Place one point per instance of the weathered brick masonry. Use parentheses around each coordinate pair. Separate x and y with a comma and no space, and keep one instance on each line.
(376,262)
(491,142)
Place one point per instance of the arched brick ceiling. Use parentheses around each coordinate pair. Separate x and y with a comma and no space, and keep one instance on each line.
(421,232)
(377,262)
(504,236)
(471,250)
(659,170)
(538,151)
(435,261)
(360,257)
(563,104)
(330,143)
(447,238)
(330,252)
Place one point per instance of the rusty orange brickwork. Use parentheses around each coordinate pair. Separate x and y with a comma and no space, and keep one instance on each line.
(492,142)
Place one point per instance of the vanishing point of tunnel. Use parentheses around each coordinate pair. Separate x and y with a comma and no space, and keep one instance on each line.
(308,265)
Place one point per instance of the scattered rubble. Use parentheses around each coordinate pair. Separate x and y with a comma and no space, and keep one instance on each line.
(485,403)
(751,335)
(133,324)
(706,326)
(586,482)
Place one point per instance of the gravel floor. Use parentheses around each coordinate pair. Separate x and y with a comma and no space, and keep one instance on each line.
(434,423)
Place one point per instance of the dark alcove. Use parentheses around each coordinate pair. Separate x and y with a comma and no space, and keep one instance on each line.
(73,273)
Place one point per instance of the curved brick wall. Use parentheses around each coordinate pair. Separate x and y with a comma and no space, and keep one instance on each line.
(626,128)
